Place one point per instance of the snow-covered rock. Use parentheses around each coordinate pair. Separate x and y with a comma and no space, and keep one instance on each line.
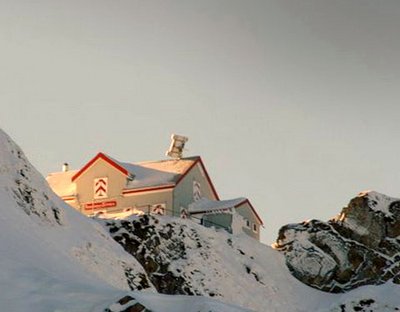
(361,246)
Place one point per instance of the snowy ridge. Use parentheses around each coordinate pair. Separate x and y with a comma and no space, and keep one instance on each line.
(45,245)
(21,184)
(55,259)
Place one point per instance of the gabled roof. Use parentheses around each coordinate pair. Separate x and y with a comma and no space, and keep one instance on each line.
(147,175)
(247,201)
(106,158)
(205,205)
(157,173)
(163,173)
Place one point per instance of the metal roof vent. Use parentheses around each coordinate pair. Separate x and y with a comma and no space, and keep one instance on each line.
(177,145)
(65,167)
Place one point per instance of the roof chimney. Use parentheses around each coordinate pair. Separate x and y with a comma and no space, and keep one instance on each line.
(65,167)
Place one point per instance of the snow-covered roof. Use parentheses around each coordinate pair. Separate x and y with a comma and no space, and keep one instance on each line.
(205,205)
(158,173)
(146,174)
(60,183)
(208,205)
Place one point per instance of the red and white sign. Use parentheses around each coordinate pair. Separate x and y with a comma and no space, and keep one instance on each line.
(100,205)
(100,188)
(196,190)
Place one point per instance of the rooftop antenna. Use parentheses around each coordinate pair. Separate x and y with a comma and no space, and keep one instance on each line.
(177,145)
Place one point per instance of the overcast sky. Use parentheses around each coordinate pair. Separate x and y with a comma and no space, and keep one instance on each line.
(293,104)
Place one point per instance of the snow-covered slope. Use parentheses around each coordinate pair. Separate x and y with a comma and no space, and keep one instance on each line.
(150,302)
(181,257)
(50,255)
(185,258)
(54,259)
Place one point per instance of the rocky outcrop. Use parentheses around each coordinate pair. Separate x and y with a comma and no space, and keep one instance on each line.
(181,257)
(155,249)
(360,246)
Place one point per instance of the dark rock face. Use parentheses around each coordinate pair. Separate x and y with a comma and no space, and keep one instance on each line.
(360,246)
(180,257)
(155,249)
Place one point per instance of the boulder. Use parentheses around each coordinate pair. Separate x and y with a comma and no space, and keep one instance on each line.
(361,246)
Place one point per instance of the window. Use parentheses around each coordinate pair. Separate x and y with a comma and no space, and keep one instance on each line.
(158,209)
(247,223)
(255,227)
(184,213)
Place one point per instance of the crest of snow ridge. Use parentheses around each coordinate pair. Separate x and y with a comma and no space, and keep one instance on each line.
(360,246)
(18,182)
(51,226)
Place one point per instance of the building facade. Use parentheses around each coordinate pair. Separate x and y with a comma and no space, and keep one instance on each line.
(110,188)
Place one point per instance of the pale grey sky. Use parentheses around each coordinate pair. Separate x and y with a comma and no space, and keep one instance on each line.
(293,104)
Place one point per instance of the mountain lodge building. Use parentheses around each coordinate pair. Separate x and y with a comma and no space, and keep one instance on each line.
(180,187)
